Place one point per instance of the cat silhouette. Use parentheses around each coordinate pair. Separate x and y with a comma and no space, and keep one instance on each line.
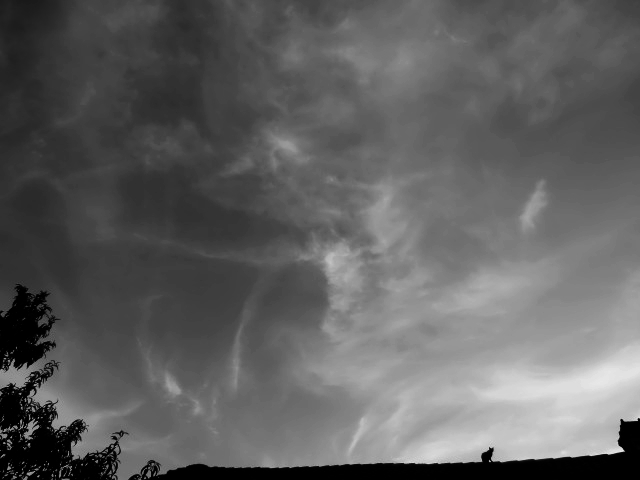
(486,456)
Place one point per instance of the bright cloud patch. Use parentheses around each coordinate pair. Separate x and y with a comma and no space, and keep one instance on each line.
(533,208)
(171,385)
(496,291)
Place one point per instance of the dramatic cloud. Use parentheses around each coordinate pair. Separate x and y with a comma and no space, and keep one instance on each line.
(291,233)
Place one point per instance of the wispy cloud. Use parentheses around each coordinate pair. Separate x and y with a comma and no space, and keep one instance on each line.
(171,385)
(236,358)
(197,407)
(532,210)
(497,290)
(522,408)
(419,346)
(362,425)
(275,253)
(583,384)
(246,316)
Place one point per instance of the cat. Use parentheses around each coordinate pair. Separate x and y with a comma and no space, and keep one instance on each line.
(486,456)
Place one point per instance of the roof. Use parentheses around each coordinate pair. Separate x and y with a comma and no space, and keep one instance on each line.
(595,466)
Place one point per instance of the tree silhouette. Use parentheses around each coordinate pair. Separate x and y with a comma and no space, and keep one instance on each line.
(29,445)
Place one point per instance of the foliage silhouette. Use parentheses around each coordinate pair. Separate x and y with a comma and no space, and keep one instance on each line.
(29,445)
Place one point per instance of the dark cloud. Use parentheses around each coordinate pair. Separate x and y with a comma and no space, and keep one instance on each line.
(35,216)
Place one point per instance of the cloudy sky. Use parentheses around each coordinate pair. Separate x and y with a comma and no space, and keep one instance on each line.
(291,232)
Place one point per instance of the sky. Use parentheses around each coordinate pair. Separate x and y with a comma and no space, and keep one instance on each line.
(283,233)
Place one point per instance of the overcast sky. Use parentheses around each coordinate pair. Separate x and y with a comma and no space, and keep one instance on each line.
(283,234)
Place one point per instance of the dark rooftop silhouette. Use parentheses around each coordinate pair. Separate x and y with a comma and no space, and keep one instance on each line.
(596,466)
